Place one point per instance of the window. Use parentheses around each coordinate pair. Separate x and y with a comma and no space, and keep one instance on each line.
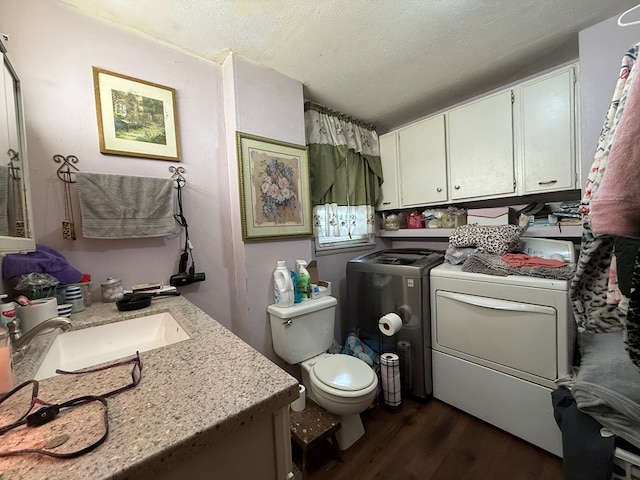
(346,174)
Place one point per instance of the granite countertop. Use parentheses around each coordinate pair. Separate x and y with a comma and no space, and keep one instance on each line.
(190,395)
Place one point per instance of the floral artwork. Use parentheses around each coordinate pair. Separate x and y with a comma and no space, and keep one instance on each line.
(276,181)
(274,188)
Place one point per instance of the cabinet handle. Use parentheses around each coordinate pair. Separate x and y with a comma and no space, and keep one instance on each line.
(386,203)
(438,189)
(548,182)
(495,303)
(457,187)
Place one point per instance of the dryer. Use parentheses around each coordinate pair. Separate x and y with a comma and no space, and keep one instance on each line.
(499,344)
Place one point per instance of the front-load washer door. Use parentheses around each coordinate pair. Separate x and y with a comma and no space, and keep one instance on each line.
(494,332)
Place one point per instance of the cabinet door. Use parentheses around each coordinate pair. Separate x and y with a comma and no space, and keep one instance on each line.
(422,163)
(548,133)
(481,162)
(389,159)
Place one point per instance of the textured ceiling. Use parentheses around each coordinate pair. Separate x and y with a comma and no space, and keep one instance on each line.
(386,62)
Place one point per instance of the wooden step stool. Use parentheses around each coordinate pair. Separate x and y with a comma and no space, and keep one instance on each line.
(312,426)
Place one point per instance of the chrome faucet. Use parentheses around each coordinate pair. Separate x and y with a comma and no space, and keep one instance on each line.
(20,341)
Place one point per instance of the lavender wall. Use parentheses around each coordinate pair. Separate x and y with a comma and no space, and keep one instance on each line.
(602,47)
(53,48)
(263,102)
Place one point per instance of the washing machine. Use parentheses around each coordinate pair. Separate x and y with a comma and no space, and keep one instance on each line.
(500,342)
(395,281)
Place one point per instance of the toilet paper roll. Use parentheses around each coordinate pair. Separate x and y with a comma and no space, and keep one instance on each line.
(390,379)
(299,404)
(390,324)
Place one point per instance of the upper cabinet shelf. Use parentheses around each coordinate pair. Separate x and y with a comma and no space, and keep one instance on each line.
(568,231)
(516,142)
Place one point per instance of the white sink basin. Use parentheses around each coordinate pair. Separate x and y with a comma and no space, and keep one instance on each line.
(90,346)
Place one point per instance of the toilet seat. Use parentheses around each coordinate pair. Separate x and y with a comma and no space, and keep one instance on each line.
(343,376)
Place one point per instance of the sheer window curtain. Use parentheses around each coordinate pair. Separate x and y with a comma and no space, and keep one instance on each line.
(346,174)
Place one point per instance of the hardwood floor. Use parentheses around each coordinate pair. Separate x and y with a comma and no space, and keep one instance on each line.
(431,441)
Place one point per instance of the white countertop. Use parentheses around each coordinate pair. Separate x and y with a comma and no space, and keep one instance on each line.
(190,395)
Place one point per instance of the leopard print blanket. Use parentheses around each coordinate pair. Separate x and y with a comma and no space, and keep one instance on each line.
(589,286)
(493,239)
(632,332)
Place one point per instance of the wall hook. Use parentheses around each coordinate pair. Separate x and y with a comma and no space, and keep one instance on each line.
(66,171)
(177,176)
(14,164)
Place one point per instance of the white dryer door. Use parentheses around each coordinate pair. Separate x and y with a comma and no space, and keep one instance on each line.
(496,332)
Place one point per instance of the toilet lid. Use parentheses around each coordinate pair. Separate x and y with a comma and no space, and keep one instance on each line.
(344,372)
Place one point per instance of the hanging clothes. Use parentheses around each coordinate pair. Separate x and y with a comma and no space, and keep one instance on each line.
(632,331)
(589,287)
(615,207)
(614,114)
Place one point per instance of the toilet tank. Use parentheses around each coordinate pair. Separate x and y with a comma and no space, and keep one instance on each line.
(303,330)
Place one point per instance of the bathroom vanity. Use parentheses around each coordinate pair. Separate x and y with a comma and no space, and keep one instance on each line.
(207,407)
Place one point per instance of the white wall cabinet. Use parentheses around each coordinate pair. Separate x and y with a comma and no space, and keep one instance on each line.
(518,141)
(422,163)
(480,148)
(389,199)
(547,132)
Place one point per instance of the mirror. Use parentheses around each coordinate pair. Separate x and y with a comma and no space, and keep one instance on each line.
(16,231)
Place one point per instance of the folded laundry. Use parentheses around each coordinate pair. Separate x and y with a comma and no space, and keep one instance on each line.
(494,265)
(524,260)
(494,239)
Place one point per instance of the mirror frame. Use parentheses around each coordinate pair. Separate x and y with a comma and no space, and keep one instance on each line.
(19,244)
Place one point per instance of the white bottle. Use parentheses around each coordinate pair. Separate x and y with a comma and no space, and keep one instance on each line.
(282,285)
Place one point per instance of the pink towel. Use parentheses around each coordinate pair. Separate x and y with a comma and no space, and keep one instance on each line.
(615,206)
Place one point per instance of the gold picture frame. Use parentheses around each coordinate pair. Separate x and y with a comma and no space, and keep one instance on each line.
(275,199)
(135,117)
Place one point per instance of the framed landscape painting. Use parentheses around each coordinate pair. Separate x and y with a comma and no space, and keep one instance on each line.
(135,117)
(275,197)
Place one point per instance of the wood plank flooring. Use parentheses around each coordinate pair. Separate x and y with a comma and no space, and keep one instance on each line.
(431,441)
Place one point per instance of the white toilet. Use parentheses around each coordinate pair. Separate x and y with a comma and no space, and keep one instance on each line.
(341,384)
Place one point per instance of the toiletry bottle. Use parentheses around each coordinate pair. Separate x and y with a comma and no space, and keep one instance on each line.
(304,279)
(282,285)
(297,296)
(6,363)
(7,313)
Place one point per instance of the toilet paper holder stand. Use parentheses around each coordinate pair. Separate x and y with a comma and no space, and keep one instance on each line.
(388,343)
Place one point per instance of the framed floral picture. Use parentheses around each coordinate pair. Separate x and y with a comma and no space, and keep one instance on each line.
(275,197)
(136,118)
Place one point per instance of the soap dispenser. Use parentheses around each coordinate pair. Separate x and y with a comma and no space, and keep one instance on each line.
(304,279)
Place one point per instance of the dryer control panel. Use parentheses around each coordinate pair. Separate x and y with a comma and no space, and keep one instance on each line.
(546,248)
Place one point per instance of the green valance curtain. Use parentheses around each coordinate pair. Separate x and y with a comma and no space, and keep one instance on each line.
(344,158)
(346,174)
